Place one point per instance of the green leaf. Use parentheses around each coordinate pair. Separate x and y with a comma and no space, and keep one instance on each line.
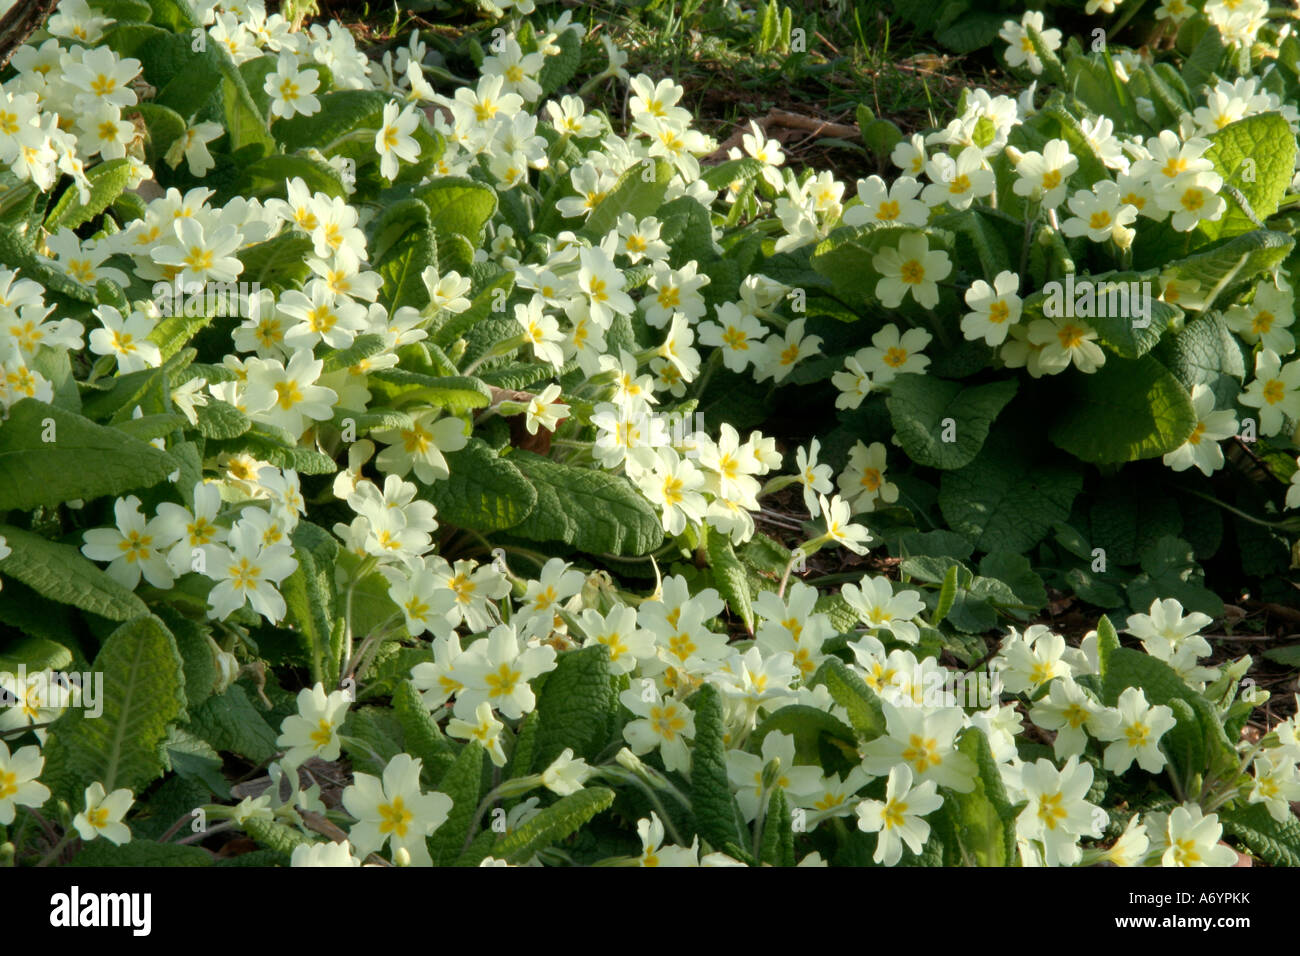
(218,419)
(1007,499)
(1277,844)
(730,578)
(341,112)
(639,192)
(420,734)
(141,853)
(521,760)
(1107,643)
(459,205)
(555,823)
(561,67)
(808,725)
(33,653)
(1203,62)
(1127,410)
(1197,736)
(1015,571)
(484,492)
(143,692)
(941,424)
(1052,69)
(979,227)
(591,510)
(62,574)
(777,847)
(309,599)
(983,818)
(1127,515)
(231,723)
(268,176)
(107,180)
(1169,570)
(362,347)
(947,594)
(1238,260)
(1255,156)
(244,121)
(865,713)
(198,655)
(480,307)
(275,836)
(17,252)
(164,126)
(457,394)
(391,222)
(277,260)
(574,706)
(402,267)
(1205,352)
(716,814)
(81,459)
(1286,656)
(462,782)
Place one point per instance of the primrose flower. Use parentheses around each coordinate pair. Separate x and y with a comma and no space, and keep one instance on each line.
(566,775)
(497,670)
(314,730)
(126,338)
(394,140)
(1193,838)
(324,854)
(1132,846)
(544,411)
(395,811)
(135,547)
(912,267)
(485,728)
(248,572)
(654,853)
(1275,391)
(18,785)
(103,815)
(1057,813)
(1020,48)
(420,448)
(746,772)
(925,741)
(995,308)
(1165,630)
(885,204)
(877,606)
(1063,341)
(838,517)
(898,819)
(1202,446)
(892,353)
(1134,729)
(1066,709)
(291,89)
(862,483)
(1043,177)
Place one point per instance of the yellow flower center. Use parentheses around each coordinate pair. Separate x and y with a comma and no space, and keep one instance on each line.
(394,817)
